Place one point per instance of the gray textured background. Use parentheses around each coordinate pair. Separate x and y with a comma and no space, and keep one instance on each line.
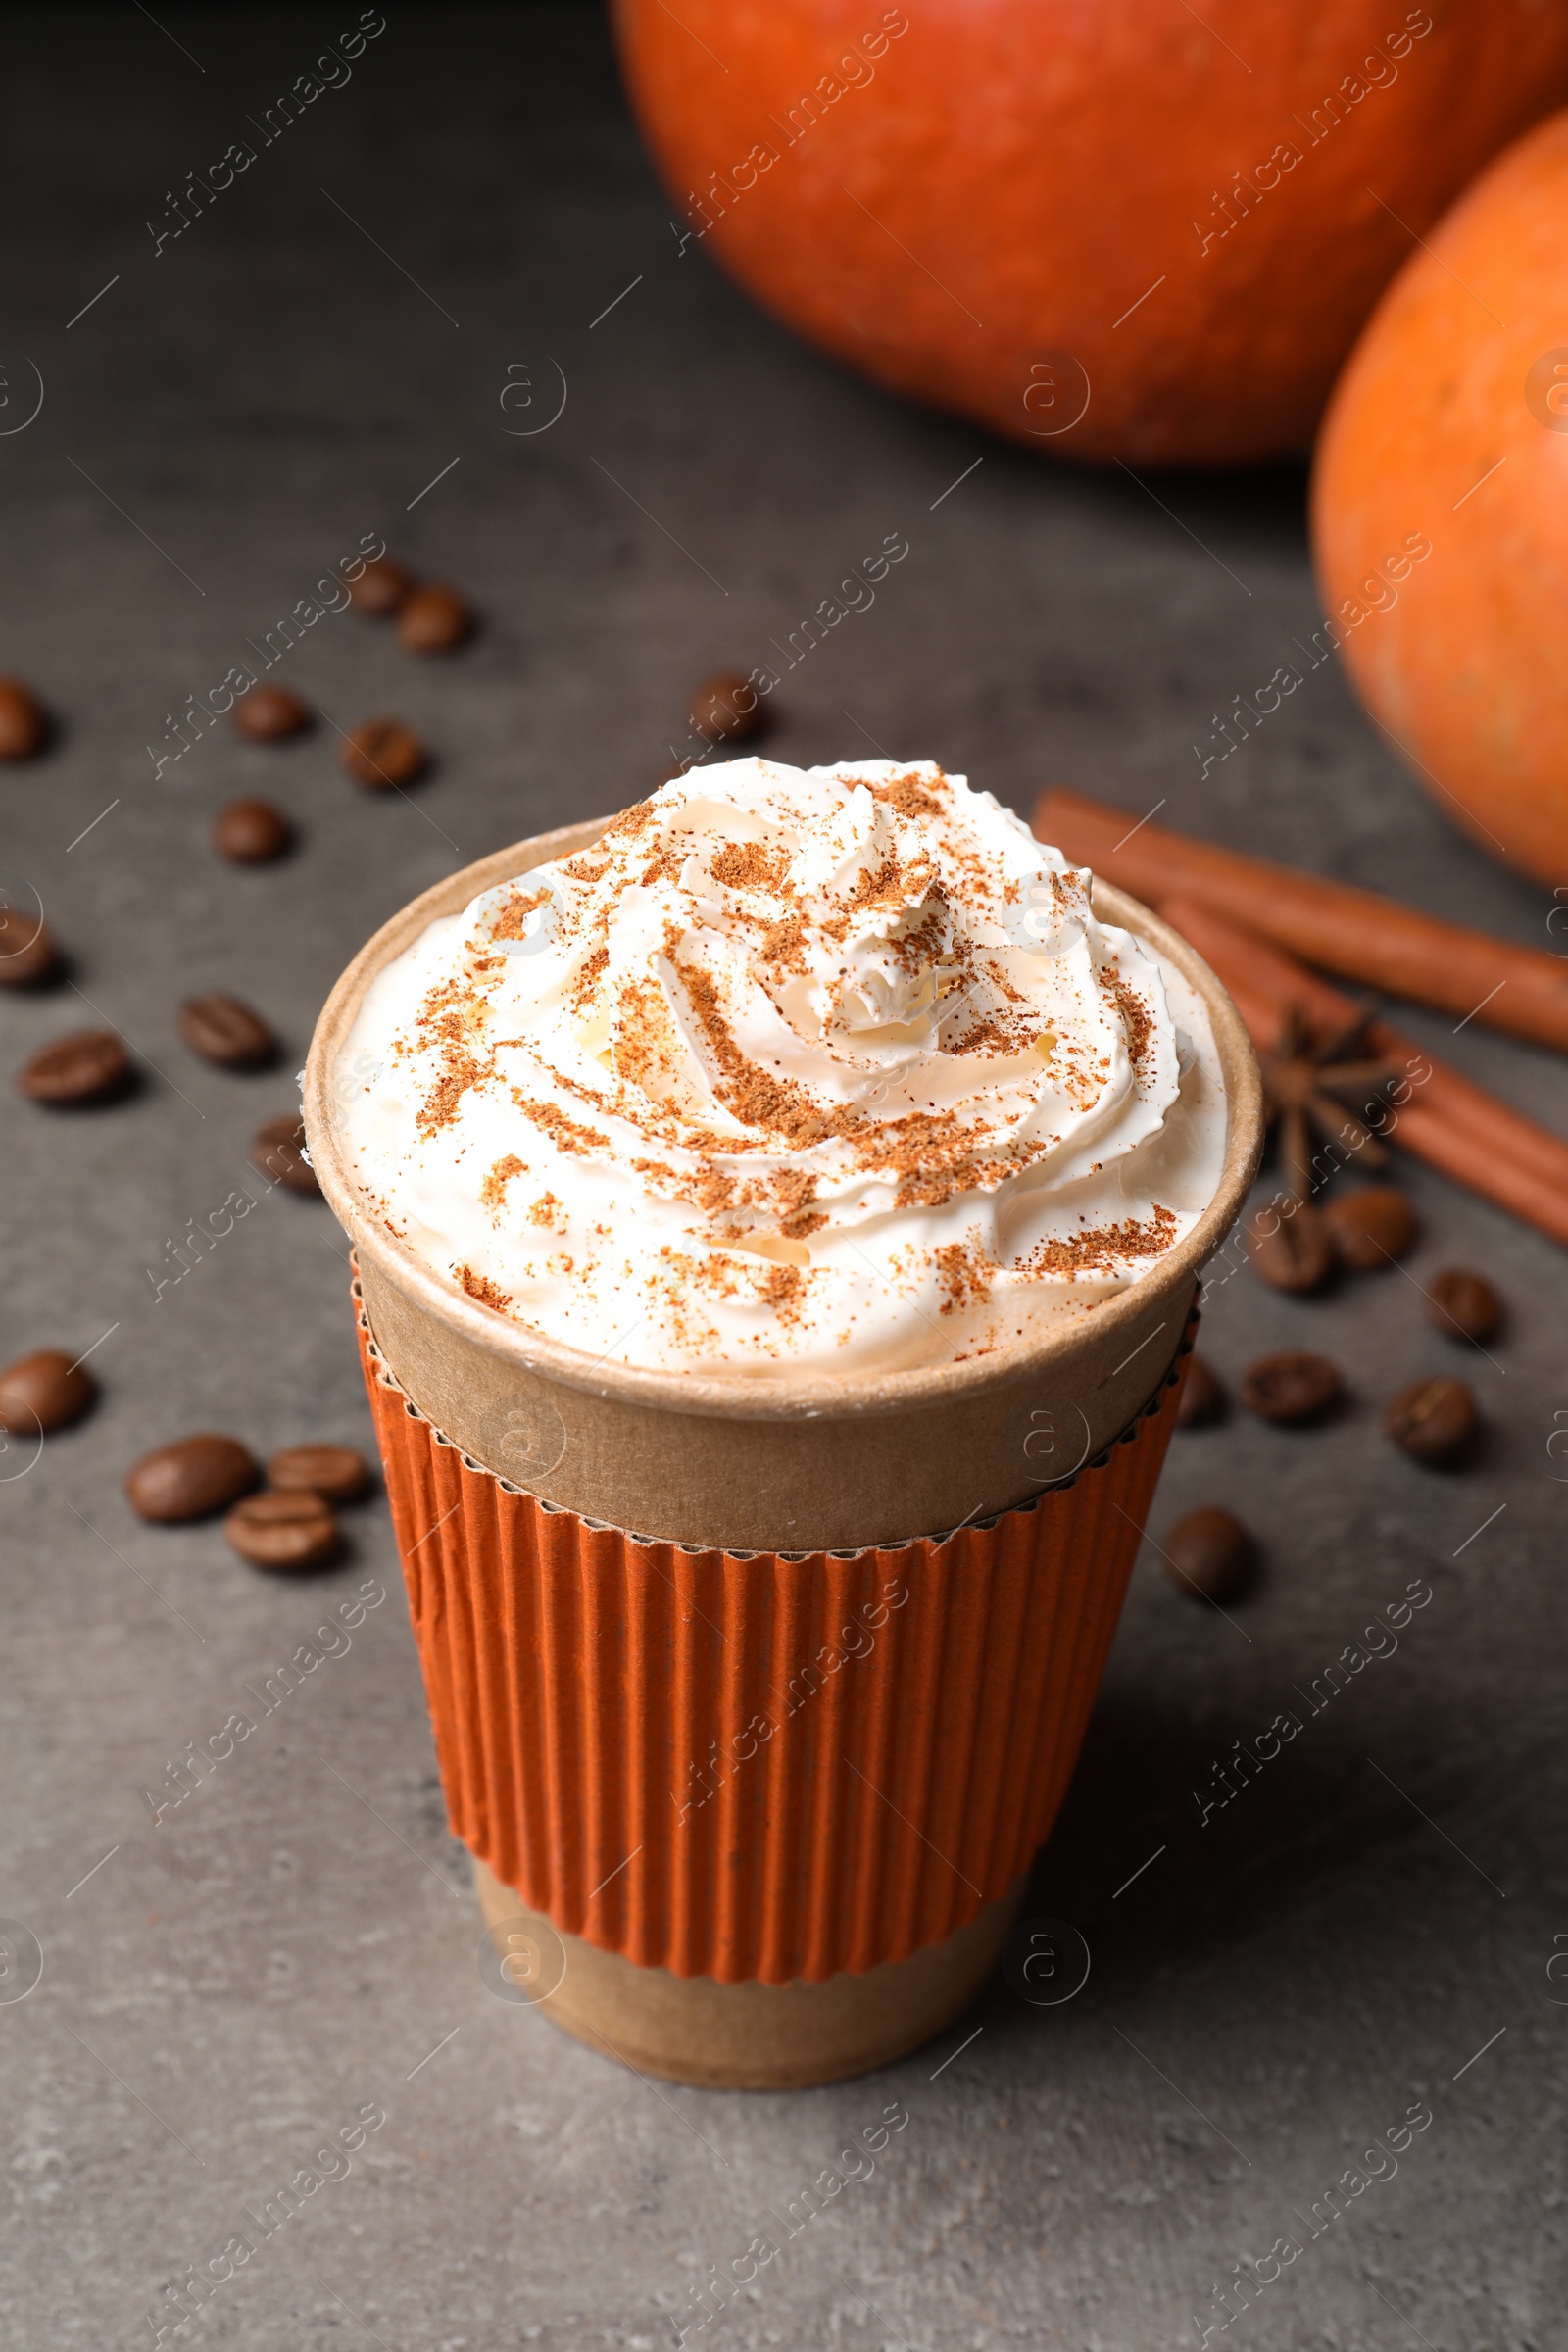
(1273,1990)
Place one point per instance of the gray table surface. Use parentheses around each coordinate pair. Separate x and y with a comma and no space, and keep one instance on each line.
(298,1938)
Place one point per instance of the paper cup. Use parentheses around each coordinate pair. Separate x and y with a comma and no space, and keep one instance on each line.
(757,1751)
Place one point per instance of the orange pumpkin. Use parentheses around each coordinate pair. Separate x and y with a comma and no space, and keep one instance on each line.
(1450,427)
(1116,228)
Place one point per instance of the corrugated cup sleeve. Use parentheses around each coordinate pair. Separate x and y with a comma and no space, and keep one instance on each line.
(758,1767)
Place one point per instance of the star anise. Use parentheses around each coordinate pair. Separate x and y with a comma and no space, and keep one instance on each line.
(1328,1084)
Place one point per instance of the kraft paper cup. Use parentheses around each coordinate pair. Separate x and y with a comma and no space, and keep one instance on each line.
(752,1752)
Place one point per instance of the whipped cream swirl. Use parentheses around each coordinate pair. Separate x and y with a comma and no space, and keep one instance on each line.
(822,1069)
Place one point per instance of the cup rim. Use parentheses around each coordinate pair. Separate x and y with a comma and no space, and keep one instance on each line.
(796,1395)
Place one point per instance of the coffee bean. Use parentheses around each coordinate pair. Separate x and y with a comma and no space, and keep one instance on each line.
(252,832)
(90,1066)
(191,1480)
(1371,1226)
(383,753)
(380,587)
(1464,1305)
(44,1391)
(727,709)
(335,1472)
(1202,1397)
(224,1030)
(1292,1387)
(271,715)
(433,620)
(1211,1555)
(1295,1254)
(295,1529)
(279,1149)
(22,725)
(29,955)
(1433,1420)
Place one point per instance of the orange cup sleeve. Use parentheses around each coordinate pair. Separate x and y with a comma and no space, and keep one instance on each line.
(763,1766)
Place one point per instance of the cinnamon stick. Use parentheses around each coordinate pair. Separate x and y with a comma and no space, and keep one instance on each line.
(1449,1122)
(1523,991)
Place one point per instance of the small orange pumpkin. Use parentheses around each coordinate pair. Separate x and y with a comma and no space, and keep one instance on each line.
(1450,427)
